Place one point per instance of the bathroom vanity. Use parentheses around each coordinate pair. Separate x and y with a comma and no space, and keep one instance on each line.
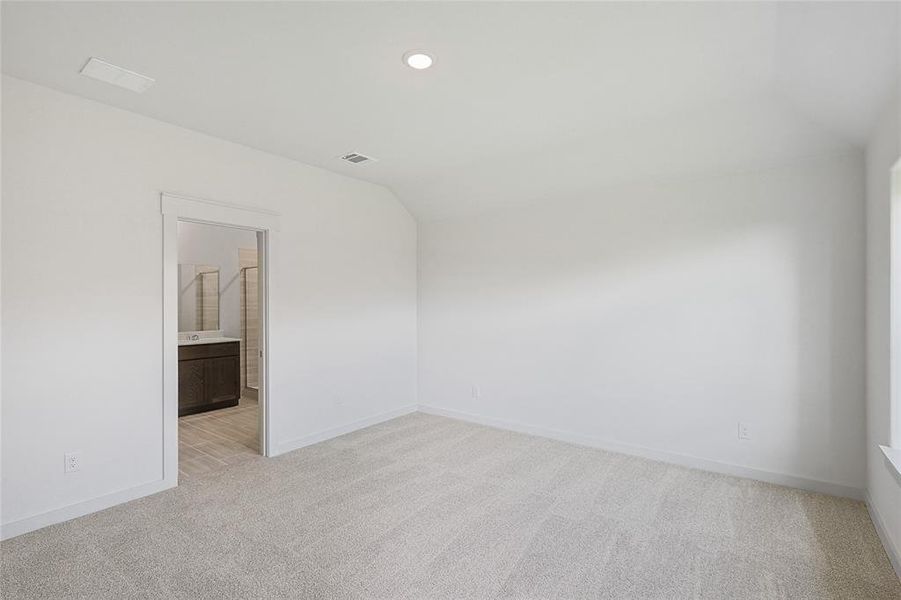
(209,374)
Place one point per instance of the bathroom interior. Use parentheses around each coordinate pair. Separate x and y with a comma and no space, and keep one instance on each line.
(218,347)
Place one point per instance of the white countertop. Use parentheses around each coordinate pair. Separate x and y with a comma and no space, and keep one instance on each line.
(208,340)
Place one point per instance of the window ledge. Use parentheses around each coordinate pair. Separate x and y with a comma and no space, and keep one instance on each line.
(893,458)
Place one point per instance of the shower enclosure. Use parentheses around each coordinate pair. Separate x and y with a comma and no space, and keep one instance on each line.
(250,330)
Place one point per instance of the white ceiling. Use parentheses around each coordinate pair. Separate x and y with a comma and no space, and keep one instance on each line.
(527,102)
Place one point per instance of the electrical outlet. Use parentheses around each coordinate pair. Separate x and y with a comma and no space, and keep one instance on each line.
(744,431)
(476,392)
(73,462)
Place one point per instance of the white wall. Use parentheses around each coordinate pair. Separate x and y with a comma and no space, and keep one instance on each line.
(883,488)
(82,353)
(654,318)
(218,247)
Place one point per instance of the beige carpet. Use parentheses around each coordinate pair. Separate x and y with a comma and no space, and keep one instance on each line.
(427,507)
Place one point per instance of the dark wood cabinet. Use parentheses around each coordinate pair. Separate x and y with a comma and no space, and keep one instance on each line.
(209,377)
(190,385)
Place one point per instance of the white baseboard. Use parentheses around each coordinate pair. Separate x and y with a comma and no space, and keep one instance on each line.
(59,515)
(10,530)
(685,460)
(315,438)
(894,554)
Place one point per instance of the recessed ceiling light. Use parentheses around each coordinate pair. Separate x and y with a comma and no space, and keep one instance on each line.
(110,73)
(418,59)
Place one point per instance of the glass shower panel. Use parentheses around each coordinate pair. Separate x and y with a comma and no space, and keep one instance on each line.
(250,329)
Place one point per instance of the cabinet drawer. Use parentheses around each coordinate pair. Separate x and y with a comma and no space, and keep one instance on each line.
(208,350)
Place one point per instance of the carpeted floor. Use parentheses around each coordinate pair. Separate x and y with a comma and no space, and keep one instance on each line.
(427,507)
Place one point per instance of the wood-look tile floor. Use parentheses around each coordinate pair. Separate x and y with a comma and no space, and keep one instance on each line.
(214,440)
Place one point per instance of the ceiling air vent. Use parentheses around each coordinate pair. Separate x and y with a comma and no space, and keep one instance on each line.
(115,75)
(357,158)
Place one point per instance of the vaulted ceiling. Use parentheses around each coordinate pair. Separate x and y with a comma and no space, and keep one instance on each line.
(527,102)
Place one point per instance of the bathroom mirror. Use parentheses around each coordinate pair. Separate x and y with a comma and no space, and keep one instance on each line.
(198,297)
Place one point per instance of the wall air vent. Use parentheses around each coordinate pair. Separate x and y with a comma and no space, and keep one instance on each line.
(357,158)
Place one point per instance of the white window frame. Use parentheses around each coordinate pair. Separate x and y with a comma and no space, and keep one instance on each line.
(893,450)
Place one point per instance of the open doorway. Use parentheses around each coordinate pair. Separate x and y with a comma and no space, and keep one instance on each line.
(218,348)
(216,408)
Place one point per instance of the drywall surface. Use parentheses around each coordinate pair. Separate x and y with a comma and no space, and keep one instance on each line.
(82,293)
(883,487)
(659,317)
